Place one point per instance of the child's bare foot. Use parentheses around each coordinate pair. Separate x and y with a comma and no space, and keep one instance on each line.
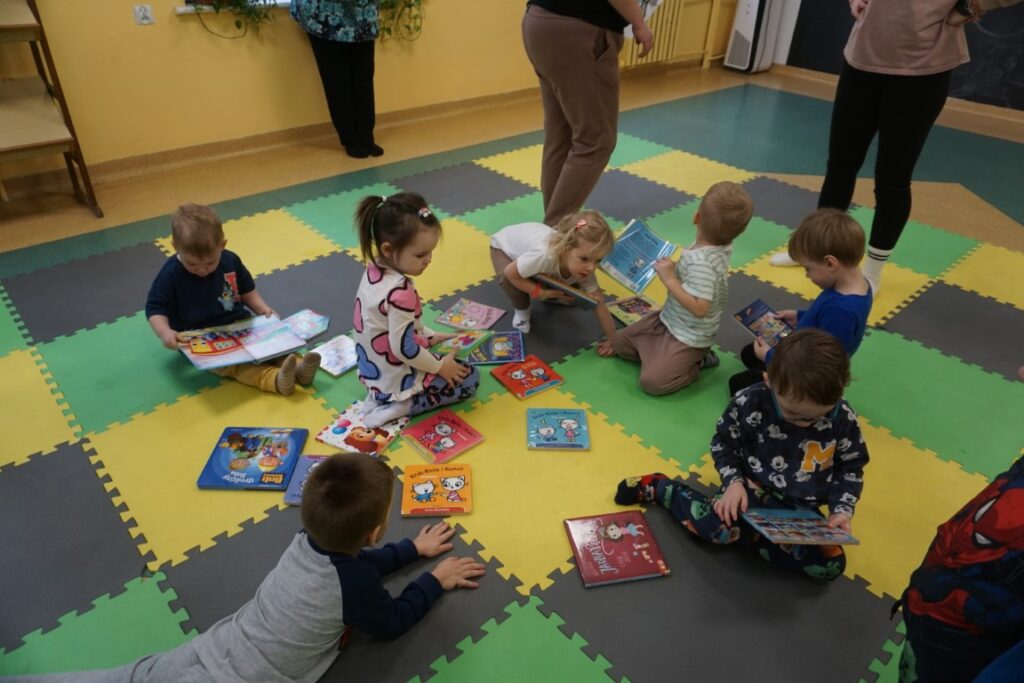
(286,376)
(306,371)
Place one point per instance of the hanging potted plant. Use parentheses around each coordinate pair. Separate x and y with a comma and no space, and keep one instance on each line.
(401,19)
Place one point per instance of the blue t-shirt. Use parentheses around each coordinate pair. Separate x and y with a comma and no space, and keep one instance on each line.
(844,316)
(191,302)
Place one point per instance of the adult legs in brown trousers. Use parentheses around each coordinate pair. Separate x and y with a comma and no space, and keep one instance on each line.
(578,67)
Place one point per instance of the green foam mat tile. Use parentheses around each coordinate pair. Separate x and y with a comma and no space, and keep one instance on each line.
(960,412)
(115,631)
(889,672)
(11,338)
(331,216)
(630,149)
(490,219)
(676,225)
(760,238)
(922,248)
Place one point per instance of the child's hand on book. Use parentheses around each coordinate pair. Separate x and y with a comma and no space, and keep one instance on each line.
(458,572)
(440,338)
(666,269)
(761,348)
(433,539)
(787,316)
(840,520)
(605,349)
(732,503)
(452,371)
(169,339)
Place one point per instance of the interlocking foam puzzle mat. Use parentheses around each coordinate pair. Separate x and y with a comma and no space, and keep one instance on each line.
(111,552)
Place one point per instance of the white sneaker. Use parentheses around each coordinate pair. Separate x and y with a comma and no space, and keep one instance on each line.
(782,260)
(522,325)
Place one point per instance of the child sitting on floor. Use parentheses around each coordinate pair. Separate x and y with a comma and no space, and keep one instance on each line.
(397,235)
(829,244)
(789,442)
(324,583)
(205,285)
(672,346)
(571,252)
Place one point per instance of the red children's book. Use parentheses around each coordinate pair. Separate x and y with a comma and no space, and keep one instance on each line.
(614,548)
(442,436)
(527,377)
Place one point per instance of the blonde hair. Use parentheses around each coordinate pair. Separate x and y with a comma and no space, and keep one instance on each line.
(196,230)
(725,212)
(582,226)
(828,232)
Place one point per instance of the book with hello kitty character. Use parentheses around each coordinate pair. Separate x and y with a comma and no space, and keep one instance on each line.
(437,490)
(560,429)
(470,315)
(349,433)
(527,377)
(253,458)
(614,548)
(442,436)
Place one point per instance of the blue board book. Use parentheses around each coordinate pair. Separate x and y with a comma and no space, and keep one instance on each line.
(759,319)
(500,347)
(557,428)
(632,259)
(293,496)
(253,458)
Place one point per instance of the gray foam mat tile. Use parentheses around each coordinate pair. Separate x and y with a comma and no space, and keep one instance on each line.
(464,187)
(743,290)
(624,196)
(780,202)
(64,542)
(82,294)
(734,616)
(964,325)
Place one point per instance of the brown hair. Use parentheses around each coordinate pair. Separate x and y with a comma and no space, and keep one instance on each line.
(811,365)
(344,499)
(725,212)
(196,230)
(395,219)
(828,232)
(582,226)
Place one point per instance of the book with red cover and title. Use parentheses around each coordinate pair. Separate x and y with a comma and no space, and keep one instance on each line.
(442,436)
(437,490)
(614,548)
(528,377)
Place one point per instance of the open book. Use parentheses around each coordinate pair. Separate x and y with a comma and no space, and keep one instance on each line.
(631,262)
(247,341)
(759,319)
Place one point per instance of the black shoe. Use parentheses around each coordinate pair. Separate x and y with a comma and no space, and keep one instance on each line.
(375,150)
(356,152)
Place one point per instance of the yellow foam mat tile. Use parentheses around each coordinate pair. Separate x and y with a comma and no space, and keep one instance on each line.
(991,271)
(686,172)
(520,164)
(33,418)
(154,460)
(270,241)
(522,496)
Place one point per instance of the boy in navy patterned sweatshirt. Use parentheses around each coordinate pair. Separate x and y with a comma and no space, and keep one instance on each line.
(791,441)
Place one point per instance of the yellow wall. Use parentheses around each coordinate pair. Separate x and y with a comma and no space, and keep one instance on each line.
(136,90)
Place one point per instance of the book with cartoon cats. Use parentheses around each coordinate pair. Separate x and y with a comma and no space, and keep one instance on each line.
(500,347)
(349,433)
(437,490)
(796,527)
(614,548)
(442,436)
(557,429)
(528,377)
(470,315)
(253,458)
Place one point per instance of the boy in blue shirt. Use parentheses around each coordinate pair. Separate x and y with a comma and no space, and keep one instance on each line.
(829,244)
(789,442)
(205,285)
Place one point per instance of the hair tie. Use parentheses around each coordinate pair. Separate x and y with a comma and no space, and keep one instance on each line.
(581,223)
(424,213)
(376,210)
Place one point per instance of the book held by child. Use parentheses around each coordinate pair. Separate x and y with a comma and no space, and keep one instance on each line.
(349,433)
(337,355)
(557,429)
(527,377)
(306,464)
(247,341)
(442,437)
(470,315)
(462,344)
(759,319)
(631,262)
(579,297)
(253,458)
(437,490)
(632,309)
(796,527)
(614,548)
(501,347)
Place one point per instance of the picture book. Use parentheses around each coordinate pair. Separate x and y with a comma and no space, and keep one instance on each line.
(796,527)
(500,347)
(470,315)
(631,309)
(527,377)
(580,298)
(759,319)
(462,344)
(349,433)
(614,548)
(442,437)
(247,341)
(557,429)
(631,262)
(307,323)
(338,355)
(253,458)
(437,490)
(293,496)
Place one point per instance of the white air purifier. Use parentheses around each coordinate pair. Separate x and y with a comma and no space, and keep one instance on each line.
(754,34)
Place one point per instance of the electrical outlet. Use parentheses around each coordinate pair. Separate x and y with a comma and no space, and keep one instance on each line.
(143,14)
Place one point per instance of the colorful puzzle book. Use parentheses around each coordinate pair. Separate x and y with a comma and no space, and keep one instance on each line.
(462,344)
(631,262)
(247,341)
(500,347)
(437,490)
(580,298)
(470,315)
(337,355)
(253,458)
(614,548)
(759,319)
(527,377)
(557,429)
(442,437)
(632,309)
(796,527)
(306,464)
(307,323)
(349,433)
